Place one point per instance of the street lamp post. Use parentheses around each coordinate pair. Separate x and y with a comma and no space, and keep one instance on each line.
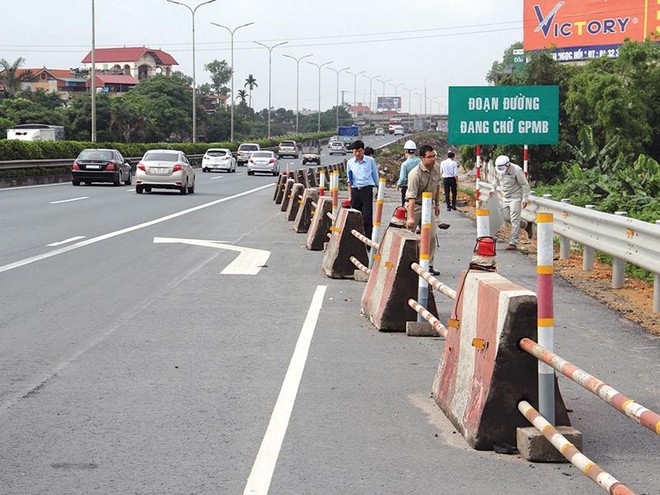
(92,85)
(396,92)
(194,94)
(355,76)
(409,104)
(384,83)
(337,71)
(270,65)
(319,67)
(371,82)
(297,82)
(231,33)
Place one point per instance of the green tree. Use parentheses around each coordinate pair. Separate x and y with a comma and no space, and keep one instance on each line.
(10,78)
(220,76)
(504,67)
(250,83)
(241,94)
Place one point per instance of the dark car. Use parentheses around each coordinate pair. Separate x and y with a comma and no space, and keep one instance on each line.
(101,165)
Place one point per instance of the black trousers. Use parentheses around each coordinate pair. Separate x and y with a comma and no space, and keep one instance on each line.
(403,195)
(363,199)
(449,184)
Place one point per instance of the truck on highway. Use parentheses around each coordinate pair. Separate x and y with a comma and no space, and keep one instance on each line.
(311,151)
(36,132)
(348,134)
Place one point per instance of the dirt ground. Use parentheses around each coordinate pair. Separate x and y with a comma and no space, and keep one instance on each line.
(634,301)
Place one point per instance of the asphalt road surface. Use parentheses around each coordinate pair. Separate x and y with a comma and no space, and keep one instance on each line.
(133,360)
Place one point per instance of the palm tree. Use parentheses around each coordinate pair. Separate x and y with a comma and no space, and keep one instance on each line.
(242,95)
(9,77)
(251,83)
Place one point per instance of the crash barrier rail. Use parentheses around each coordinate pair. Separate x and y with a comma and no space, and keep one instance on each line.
(20,164)
(592,470)
(627,240)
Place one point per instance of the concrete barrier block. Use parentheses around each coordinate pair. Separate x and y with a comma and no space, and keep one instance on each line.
(342,245)
(281,185)
(320,225)
(294,202)
(420,329)
(286,198)
(534,447)
(304,215)
(483,374)
(392,282)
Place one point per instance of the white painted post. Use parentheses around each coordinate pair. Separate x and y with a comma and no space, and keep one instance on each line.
(425,250)
(588,253)
(619,265)
(565,242)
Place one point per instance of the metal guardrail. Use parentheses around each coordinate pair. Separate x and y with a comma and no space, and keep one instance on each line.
(626,239)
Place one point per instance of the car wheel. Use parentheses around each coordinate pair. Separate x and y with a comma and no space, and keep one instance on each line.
(184,190)
(129,180)
(191,189)
(139,189)
(147,188)
(117,181)
(75,182)
(250,172)
(88,182)
(276,173)
(204,170)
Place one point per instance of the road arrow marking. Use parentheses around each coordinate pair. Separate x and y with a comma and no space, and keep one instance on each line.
(248,262)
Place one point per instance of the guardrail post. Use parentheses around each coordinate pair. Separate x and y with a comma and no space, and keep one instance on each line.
(425,250)
(545,305)
(565,242)
(588,253)
(618,264)
(656,288)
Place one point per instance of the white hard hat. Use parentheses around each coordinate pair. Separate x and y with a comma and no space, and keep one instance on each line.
(502,161)
(410,145)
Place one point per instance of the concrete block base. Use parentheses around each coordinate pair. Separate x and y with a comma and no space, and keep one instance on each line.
(420,329)
(534,447)
(360,276)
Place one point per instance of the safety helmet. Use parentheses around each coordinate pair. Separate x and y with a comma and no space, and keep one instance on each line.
(410,145)
(502,162)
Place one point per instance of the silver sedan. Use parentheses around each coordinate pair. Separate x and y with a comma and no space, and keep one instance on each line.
(165,169)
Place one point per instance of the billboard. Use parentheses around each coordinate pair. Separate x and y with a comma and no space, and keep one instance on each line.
(503,115)
(584,29)
(389,103)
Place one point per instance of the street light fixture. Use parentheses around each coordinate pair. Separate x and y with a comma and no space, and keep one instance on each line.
(319,67)
(337,71)
(355,76)
(384,83)
(297,82)
(371,82)
(270,65)
(231,33)
(409,104)
(396,93)
(194,94)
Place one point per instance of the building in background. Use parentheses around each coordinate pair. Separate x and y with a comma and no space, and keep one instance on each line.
(139,62)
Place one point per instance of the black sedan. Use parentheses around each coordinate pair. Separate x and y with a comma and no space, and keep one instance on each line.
(101,165)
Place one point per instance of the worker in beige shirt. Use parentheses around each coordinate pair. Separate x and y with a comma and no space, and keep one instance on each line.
(425,177)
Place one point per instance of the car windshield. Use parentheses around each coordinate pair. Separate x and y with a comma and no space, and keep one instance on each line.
(216,152)
(262,154)
(287,143)
(248,147)
(336,144)
(160,156)
(96,155)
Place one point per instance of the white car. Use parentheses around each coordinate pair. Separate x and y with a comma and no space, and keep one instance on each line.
(263,161)
(336,147)
(164,169)
(245,151)
(379,131)
(398,130)
(218,159)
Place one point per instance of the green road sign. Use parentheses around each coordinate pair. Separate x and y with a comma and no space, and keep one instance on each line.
(503,115)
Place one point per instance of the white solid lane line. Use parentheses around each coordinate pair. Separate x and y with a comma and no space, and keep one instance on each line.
(116,233)
(66,241)
(69,200)
(218,177)
(261,475)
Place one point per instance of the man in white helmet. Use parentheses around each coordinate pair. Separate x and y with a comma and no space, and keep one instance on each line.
(409,148)
(510,179)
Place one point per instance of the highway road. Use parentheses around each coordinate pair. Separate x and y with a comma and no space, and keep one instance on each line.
(133,360)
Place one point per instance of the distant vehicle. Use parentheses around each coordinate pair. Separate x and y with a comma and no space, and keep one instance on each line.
(398,130)
(218,159)
(379,131)
(36,132)
(348,134)
(336,147)
(245,151)
(392,124)
(165,169)
(263,161)
(101,165)
(311,151)
(288,148)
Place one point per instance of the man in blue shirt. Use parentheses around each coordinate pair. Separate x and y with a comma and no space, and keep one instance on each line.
(411,162)
(362,173)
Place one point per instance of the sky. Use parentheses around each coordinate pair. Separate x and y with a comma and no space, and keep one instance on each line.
(424,45)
